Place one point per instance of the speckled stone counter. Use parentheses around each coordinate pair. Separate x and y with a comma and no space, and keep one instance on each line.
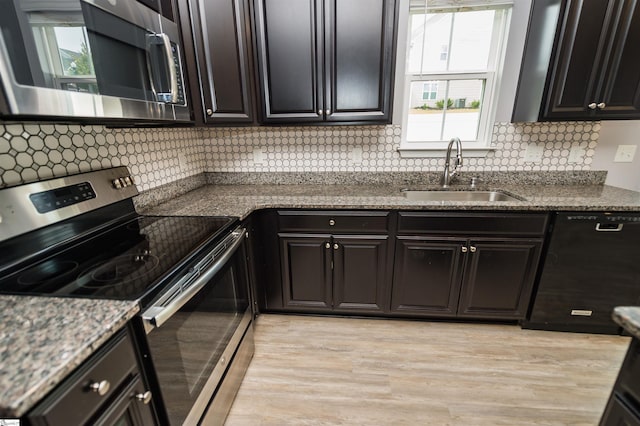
(42,339)
(241,200)
(628,317)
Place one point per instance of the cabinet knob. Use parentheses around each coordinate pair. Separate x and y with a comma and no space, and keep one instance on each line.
(465,249)
(145,397)
(335,246)
(327,245)
(332,222)
(101,387)
(472,249)
(209,112)
(602,105)
(592,105)
(328,112)
(319,112)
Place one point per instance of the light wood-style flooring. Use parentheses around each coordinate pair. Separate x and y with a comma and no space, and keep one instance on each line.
(350,371)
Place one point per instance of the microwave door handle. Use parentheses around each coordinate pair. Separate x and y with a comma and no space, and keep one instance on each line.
(156,316)
(150,42)
(173,73)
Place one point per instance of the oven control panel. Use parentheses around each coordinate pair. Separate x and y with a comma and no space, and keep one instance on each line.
(58,198)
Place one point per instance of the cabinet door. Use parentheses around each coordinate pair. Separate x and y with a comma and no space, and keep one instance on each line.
(290,61)
(581,47)
(359,273)
(427,276)
(360,56)
(306,271)
(498,278)
(621,90)
(617,413)
(222,44)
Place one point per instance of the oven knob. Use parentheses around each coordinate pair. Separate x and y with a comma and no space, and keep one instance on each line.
(128,181)
(101,388)
(145,397)
(116,183)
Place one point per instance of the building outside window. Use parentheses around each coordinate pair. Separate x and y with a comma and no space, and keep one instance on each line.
(454,56)
(429,90)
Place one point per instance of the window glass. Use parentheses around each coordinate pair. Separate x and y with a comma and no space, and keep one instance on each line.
(452,59)
(436,120)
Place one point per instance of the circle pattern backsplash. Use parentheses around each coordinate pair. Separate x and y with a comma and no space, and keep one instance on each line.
(156,156)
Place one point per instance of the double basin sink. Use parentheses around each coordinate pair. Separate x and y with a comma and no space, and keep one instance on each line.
(447,195)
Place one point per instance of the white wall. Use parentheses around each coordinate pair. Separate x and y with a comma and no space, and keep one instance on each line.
(612,134)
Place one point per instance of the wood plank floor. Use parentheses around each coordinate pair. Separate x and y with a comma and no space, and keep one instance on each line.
(349,371)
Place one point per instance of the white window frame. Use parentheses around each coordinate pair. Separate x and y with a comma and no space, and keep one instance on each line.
(482,145)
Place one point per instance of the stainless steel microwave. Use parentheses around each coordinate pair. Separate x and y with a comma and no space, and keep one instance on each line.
(112,59)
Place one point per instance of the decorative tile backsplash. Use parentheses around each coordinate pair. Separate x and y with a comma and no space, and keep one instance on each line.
(156,156)
(30,152)
(322,149)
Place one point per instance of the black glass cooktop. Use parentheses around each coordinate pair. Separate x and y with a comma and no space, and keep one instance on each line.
(129,261)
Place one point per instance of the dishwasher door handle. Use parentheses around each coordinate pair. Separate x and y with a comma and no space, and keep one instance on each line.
(609,227)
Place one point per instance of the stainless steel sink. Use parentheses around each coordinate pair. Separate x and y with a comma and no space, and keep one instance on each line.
(442,195)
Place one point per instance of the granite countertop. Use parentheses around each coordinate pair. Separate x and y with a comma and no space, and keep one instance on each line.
(241,200)
(628,317)
(42,339)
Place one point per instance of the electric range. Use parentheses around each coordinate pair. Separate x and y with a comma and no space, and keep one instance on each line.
(80,236)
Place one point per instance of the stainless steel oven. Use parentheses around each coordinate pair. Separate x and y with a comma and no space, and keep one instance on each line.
(196,326)
(80,236)
(114,59)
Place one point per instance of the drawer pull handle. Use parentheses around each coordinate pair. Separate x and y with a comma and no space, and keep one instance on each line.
(332,222)
(101,387)
(145,397)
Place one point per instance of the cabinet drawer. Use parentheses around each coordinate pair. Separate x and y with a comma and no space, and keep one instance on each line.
(333,221)
(74,402)
(454,223)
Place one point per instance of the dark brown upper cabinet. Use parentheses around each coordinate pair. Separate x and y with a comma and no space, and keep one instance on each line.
(325,61)
(217,42)
(593,69)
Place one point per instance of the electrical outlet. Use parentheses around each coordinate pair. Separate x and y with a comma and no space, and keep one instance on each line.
(625,154)
(182,162)
(258,156)
(356,155)
(533,154)
(576,154)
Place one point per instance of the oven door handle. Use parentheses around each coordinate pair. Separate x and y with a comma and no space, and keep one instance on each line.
(155,316)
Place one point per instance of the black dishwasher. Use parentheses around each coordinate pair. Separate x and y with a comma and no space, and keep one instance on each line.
(592,265)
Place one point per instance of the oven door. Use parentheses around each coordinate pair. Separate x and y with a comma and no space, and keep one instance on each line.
(194,329)
(91,58)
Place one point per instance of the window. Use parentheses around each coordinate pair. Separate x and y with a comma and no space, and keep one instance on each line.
(452,63)
(64,51)
(429,90)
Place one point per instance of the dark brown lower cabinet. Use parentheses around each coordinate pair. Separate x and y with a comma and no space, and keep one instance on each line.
(427,275)
(498,278)
(472,278)
(306,271)
(326,273)
(623,407)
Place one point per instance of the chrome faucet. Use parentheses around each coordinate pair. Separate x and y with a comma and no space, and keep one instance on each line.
(446,174)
